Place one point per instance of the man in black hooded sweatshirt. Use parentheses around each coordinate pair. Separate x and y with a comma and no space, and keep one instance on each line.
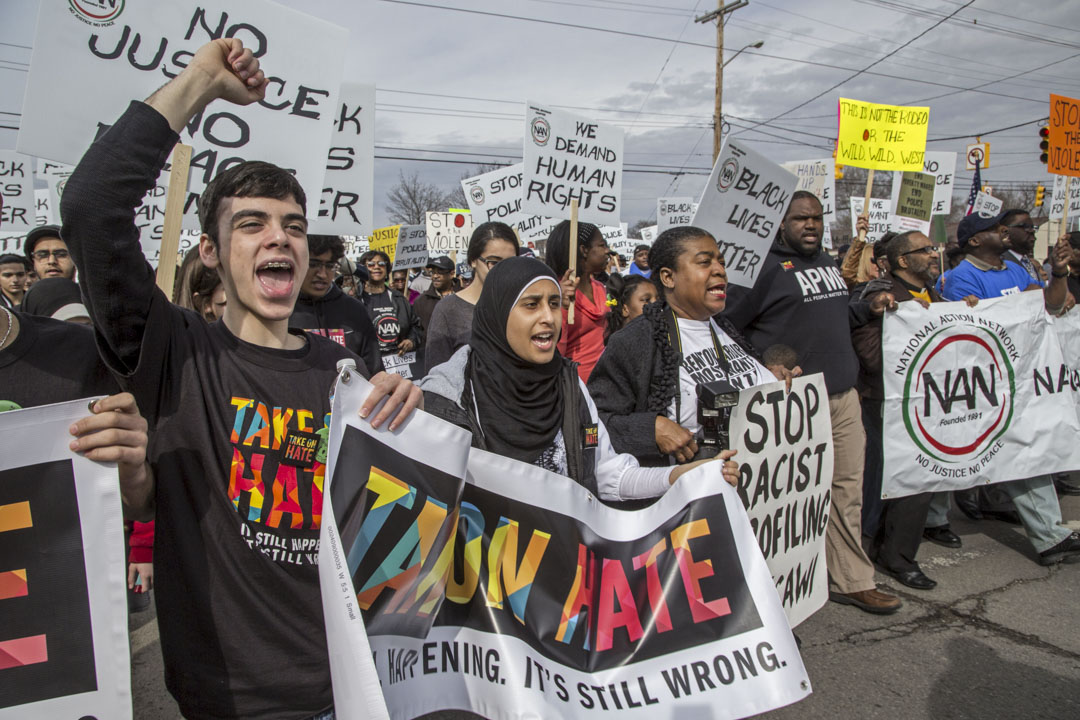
(324,309)
(800,300)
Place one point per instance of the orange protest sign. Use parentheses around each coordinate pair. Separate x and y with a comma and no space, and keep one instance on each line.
(1064,152)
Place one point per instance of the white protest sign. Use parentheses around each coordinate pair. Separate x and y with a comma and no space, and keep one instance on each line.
(618,241)
(1057,199)
(568,156)
(942,165)
(348,192)
(913,202)
(648,235)
(43,167)
(880,216)
(976,395)
(448,233)
(64,642)
(42,206)
(818,177)
(412,249)
(674,212)
(90,61)
(987,205)
(12,243)
(742,205)
(19,211)
(496,197)
(788,436)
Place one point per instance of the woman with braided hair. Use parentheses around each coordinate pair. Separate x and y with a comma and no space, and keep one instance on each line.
(645,384)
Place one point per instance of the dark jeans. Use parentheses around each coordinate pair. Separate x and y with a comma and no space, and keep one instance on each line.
(872,467)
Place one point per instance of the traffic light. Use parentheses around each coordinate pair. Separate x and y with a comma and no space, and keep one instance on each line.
(1039,192)
(1044,144)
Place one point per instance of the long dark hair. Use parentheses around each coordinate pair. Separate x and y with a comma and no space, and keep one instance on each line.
(485,233)
(620,288)
(558,246)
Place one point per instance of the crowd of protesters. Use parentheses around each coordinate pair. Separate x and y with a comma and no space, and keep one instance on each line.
(263,313)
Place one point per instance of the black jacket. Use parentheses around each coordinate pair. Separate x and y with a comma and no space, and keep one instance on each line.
(424,305)
(408,324)
(333,312)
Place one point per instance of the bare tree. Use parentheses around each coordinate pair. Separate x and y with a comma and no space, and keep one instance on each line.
(456,197)
(410,199)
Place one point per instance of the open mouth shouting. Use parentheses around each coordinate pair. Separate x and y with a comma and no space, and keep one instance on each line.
(717,292)
(544,341)
(276,278)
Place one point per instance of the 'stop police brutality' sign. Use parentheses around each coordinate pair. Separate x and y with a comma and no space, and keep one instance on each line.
(571,157)
(496,197)
(742,205)
(87,66)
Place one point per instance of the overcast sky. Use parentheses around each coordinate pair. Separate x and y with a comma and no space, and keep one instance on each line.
(456,81)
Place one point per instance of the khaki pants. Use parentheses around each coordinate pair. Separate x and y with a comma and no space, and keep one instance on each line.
(849,569)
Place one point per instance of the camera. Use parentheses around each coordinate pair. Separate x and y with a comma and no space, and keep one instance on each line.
(715,402)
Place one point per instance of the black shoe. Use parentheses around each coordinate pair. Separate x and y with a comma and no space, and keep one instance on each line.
(1007,516)
(1066,551)
(967,501)
(942,536)
(912,578)
(1064,487)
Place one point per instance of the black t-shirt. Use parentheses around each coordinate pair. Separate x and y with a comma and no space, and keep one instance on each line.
(384,316)
(237,445)
(51,361)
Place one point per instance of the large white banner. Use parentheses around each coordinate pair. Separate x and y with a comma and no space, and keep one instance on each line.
(18,208)
(942,165)
(91,59)
(567,156)
(977,395)
(785,461)
(742,206)
(496,197)
(346,204)
(496,587)
(63,579)
(674,212)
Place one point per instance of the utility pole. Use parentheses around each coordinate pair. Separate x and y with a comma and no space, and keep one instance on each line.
(718,15)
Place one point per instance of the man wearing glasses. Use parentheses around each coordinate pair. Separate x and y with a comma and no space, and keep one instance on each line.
(49,253)
(324,309)
(1020,243)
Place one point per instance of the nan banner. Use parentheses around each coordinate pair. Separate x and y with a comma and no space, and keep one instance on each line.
(785,461)
(496,587)
(88,65)
(977,395)
(63,589)
(742,206)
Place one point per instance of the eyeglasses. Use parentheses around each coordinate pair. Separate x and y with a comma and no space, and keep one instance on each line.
(45,254)
(491,261)
(327,266)
(376,263)
(928,250)
(1027,227)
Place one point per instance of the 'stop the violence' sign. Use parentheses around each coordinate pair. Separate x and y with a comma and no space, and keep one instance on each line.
(742,206)
(568,156)
(1064,153)
(87,67)
(881,137)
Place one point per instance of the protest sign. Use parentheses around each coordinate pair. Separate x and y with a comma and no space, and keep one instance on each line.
(742,205)
(1064,151)
(18,209)
(785,460)
(618,240)
(412,251)
(355,246)
(673,212)
(348,190)
(914,204)
(880,216)
(977,395)
(648,234)
(567,157)
(942,165)
(12,243)
(496,196)
(448,233)
(385,240)
(87,66)
(818,177)
(492,586)
(1057,197)
(42,207)
(63,589)
(986,204)
(881,137)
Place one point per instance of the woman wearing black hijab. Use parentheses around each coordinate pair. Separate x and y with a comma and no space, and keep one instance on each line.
(520,398)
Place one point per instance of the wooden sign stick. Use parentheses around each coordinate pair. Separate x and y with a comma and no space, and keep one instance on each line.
(1065,213)
(866,202)
(174,212)
(573,256)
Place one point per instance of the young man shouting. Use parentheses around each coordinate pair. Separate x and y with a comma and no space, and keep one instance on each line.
(237,409)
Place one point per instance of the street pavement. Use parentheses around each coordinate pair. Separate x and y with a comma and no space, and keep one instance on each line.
(999,637)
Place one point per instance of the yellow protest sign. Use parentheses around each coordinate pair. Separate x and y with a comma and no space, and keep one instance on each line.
(881,137)
(385,239)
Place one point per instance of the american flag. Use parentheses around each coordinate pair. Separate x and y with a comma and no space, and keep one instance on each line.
(976,186)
